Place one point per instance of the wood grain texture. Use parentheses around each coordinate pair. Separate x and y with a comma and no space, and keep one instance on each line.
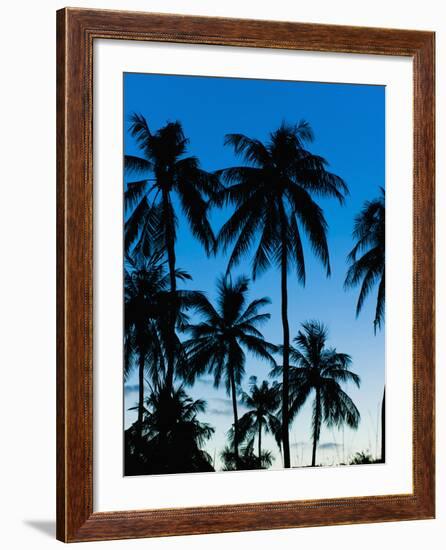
(76,31)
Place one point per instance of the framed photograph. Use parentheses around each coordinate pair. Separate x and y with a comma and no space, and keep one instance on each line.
(245,275)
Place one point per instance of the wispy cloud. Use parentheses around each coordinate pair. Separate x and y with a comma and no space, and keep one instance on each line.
(220,412)
(130,388)
(327,445)
(205,381)
(225,401)
(221,406)
(330,445)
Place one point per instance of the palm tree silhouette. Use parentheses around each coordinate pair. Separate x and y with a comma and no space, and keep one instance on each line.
(152,199)
(146,298)
(218,343)
(272,198)
(262,401)
(370,234)
(172,436)
(320,370)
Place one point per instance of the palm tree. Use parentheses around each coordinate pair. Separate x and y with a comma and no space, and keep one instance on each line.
(272,195)
(218,343)
(369,268)
(262,401)
(173,436)
(247,460)
(144,285)
(166,172)
(369,232)
(146,297)
(320,370)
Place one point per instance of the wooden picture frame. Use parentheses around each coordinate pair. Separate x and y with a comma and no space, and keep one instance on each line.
(76,31)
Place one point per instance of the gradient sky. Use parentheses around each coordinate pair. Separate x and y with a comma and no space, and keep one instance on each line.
(348,121)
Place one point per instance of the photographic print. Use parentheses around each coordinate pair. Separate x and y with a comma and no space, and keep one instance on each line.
(254,274)
(245,275)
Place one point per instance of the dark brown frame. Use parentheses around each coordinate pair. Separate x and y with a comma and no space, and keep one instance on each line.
(76,31)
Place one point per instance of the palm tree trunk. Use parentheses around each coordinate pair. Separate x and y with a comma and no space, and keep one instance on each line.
(171,260)
(317,426)
(260,442)
(234,408)
(286,352)
(141,365)
(383,427)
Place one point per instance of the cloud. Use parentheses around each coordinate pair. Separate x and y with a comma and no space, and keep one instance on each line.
(205,381)
(221,406)
(130,388)
(220,412)
(327,445)
(225,401)
(330,445)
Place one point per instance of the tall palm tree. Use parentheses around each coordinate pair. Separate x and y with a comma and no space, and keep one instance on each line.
(218,343)
(173,436)
(263,402)
(370,232)
(320,371)
(166,173)
(272,195)
(146,298)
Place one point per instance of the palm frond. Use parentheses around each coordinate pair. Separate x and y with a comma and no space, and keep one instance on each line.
(195,210)
(137,165)
(369,269)
(251,312)
(252,150)
(312,219)
(380,304)
(134,192)
(367,284)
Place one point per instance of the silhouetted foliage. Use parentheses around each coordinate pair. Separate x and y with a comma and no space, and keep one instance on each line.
(166,170)
(246,460)
(272,195)
(368,269)
(218,343)
(172,437)
(263,402)
(147,297)
(320,371)
(363,457)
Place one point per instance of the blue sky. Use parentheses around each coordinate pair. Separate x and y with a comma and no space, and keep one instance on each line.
(348,121)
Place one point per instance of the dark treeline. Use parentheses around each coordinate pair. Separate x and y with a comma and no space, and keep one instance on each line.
(174,336)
